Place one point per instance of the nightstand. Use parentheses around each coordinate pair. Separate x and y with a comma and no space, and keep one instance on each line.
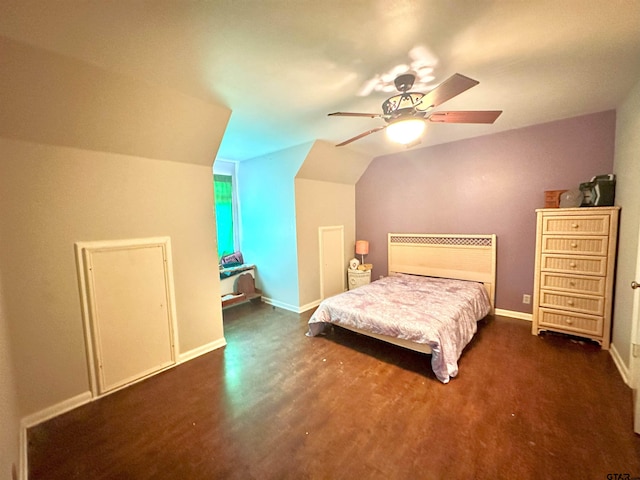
(357,278)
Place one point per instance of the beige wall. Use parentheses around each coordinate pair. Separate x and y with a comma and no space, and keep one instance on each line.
(56,196)
(90,155)
(321,204)
(52,99)
(627,172)
(328,163)
(324,196)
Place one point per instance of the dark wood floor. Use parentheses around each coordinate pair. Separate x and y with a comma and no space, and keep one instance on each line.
(274,404)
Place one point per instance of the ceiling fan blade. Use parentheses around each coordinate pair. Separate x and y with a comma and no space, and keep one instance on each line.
(352,114)
(452,86)
(358,137)
(477,116)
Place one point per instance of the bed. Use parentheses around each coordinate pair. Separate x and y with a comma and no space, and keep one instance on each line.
(437,289)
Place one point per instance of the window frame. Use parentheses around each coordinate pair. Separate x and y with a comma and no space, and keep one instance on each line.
(229,168)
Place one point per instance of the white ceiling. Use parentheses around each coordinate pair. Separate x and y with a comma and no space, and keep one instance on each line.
(282,65)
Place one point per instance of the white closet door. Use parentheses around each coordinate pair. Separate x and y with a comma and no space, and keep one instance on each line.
(332,264)
(129,298)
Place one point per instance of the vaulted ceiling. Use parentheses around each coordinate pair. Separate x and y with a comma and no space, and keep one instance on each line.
(282,65)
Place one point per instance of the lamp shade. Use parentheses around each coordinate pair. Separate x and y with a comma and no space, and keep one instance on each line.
(362,247)
(406,131)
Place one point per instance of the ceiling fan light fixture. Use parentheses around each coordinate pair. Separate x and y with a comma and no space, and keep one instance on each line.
(406,131)
(406,113)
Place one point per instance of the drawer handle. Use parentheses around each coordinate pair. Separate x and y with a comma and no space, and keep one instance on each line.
(569,321)
(572,284)
(570,303)
(572,265)
(574,225)
(574,245)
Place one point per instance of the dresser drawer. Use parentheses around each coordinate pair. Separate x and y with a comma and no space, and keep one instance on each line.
(572,283)
(573,264)
(587,245)
(589,304)
(576,224)
(570,322)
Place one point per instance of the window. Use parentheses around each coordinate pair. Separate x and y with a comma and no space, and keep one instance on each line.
(223,191)
(226,207)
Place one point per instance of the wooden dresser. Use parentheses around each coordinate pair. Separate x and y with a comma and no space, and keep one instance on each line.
(574,271)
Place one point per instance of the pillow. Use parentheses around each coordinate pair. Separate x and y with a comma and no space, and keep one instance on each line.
(233,259)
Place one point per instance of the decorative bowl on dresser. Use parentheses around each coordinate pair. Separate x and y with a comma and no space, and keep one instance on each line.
(574,271)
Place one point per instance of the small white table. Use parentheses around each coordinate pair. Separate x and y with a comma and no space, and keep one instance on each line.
(357,278)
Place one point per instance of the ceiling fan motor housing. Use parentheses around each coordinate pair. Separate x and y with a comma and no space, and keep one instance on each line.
(405,81)
(403,104)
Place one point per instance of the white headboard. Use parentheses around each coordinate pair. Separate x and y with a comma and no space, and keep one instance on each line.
(463,257)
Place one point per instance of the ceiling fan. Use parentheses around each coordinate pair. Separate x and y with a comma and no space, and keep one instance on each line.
(406,113)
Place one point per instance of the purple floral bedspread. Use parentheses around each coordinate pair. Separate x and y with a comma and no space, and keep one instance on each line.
(439,312)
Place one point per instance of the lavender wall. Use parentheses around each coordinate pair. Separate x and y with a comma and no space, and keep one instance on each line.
(489,184)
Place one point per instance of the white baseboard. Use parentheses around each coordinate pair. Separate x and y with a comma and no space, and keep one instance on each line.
(622,368)
(42,416)
(196,352)
(309,306)
(276,303)
(514,314)
(86,397)
(613,351)
(57,409)
(291,308)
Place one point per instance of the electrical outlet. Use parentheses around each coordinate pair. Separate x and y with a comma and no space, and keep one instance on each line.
(526,299)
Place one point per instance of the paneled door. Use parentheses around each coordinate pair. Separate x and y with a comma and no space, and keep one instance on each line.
(332,264)
(128,306)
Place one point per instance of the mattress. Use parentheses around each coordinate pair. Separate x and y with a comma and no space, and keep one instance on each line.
(438,312)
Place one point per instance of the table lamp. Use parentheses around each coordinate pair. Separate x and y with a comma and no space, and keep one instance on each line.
(362,249)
